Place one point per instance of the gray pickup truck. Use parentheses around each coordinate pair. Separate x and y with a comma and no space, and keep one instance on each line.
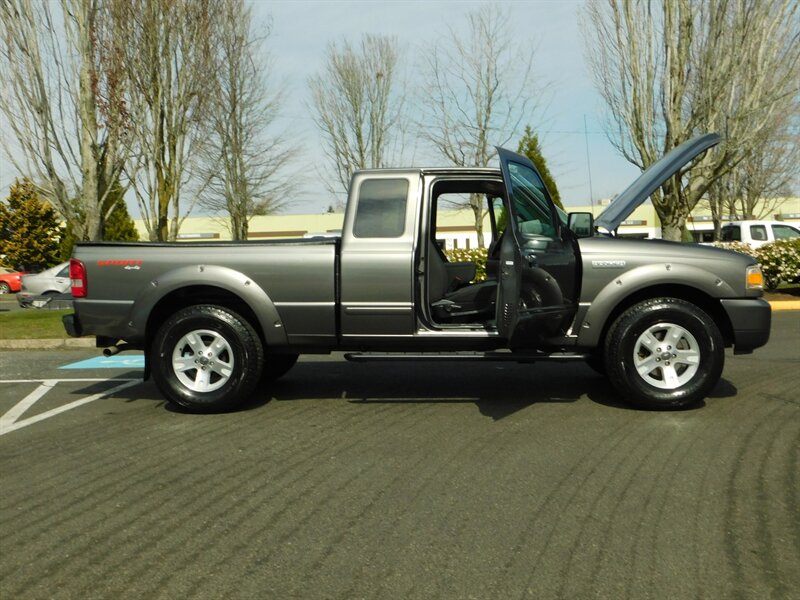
(216,320)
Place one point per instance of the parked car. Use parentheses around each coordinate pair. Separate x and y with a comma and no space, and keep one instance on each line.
(758,233)
(9,280)
(50,282)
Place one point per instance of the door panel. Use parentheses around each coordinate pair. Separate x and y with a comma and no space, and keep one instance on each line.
(539,280)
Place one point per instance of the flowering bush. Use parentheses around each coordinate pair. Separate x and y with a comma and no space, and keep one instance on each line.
(780,261)
(476,255)
(740,247)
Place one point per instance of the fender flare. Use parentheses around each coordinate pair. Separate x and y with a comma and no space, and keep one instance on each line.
(216,276)
(635,280)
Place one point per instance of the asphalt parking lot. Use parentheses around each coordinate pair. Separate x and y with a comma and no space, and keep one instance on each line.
(408,480)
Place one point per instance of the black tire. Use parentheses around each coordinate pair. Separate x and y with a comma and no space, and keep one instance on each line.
(221,357)
(277,365)
(4,288)
(687,358)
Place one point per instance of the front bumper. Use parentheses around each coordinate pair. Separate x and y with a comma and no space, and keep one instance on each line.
(750,319)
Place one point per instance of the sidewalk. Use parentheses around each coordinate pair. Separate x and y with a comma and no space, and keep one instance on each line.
(88,342)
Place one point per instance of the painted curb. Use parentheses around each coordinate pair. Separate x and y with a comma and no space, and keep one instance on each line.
(785,305)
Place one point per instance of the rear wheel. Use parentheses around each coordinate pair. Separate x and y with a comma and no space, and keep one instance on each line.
(664,353)
(207,358)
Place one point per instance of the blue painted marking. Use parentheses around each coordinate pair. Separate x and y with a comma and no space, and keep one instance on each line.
(131,361)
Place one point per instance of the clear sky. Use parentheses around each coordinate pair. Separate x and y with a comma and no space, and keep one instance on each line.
(303,28)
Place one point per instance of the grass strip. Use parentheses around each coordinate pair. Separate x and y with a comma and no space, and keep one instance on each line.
(32,324)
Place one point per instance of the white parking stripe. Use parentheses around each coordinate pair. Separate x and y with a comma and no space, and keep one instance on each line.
(9,422)
(20,407)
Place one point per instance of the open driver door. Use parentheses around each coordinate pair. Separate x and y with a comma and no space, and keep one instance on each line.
(538,277)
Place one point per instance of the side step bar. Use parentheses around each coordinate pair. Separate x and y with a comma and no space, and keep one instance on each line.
(465,356)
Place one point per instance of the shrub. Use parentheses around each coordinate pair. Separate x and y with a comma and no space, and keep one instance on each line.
(780,261)
(476,255)
(740,247)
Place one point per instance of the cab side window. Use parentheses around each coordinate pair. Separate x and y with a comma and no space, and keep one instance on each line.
(758,233)
(381,210)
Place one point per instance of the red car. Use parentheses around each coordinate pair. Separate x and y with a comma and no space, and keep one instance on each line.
(10,280)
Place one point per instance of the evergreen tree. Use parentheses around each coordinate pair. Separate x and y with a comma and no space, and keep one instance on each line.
(30,229)
(530,147)
(118,225)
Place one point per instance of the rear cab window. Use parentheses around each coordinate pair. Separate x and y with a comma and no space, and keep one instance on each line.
(731,233)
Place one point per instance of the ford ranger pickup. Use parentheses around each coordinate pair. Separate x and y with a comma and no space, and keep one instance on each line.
(216,320)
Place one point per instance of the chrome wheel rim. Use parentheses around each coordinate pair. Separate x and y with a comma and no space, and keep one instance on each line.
(202,360)
(666,356)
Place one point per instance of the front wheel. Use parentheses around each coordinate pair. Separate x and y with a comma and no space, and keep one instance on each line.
(4,288)
(207,358)
(664,353)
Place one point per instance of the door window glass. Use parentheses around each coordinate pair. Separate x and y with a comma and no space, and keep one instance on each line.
(785,232)
(531,203)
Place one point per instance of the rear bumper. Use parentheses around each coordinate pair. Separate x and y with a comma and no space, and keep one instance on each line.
(750,319)
(72,325)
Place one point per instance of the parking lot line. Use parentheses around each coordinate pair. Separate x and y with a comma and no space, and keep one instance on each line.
(10,420)
(20,407)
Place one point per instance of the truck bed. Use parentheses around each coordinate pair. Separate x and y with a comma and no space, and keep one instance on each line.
(128,280)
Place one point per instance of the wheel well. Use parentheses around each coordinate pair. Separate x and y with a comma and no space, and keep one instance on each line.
(709,305)
(197,294)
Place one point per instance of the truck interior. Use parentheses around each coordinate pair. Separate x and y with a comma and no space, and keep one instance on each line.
(456,295)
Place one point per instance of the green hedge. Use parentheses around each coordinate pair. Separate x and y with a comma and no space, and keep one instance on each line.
(476,255)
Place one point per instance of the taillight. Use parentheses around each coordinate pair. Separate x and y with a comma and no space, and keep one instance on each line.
(77,276)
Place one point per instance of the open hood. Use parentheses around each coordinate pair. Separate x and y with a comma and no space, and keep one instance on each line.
(652,178)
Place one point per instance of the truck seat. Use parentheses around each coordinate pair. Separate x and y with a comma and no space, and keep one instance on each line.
(452,296)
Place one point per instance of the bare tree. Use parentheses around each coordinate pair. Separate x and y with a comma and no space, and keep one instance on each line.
(243,158)
(758,185)
(168,50)
(357,106)
(670,70)
(63,101)
(477,91)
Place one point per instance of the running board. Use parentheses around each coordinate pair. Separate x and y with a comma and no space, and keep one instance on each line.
(465,356)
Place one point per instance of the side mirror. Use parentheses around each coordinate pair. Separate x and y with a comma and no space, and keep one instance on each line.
(581,224)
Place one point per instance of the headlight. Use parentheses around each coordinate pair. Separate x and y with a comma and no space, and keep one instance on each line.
(755,279)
